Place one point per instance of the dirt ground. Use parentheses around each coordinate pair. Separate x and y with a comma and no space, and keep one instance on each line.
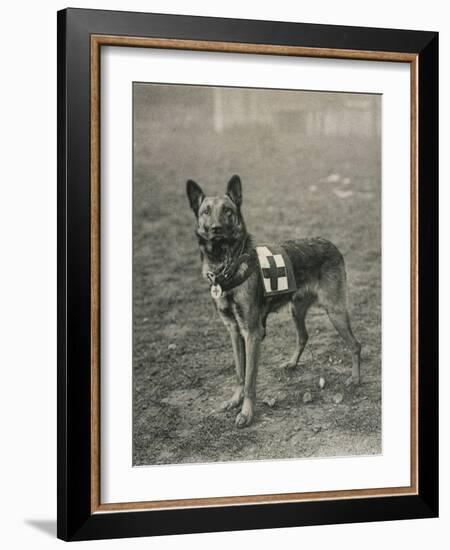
(182,364)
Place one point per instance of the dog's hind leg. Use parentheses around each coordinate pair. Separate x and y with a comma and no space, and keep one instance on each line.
(299,309)
(341,321)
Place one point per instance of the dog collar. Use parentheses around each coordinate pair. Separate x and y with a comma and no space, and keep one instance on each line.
(231,276)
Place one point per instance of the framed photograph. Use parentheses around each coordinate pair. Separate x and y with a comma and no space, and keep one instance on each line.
(247,255)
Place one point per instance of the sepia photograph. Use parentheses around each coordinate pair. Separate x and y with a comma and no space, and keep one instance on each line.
(256,274)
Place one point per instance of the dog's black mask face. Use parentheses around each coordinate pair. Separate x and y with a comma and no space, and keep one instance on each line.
(219,219)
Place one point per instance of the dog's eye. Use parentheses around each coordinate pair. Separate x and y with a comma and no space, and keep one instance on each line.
(207,210)
(227,210)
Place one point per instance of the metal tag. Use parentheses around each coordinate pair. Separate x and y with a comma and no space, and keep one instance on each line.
(216,291)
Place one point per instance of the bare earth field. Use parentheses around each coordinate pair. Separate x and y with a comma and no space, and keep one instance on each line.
(182,364)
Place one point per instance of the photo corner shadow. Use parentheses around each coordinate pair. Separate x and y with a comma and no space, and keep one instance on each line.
(46,526)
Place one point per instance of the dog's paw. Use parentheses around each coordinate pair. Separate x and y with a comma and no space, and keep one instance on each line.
(235,401)
(352,382)
(228,405)
(245,417)
(243,420)
(289,365)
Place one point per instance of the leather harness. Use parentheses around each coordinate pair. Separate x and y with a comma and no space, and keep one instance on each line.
(230,276)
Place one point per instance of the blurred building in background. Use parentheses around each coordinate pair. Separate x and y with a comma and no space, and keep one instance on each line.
(308,113)
(312,114)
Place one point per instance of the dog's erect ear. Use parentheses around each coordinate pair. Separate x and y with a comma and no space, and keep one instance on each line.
(195,195)
(234,190)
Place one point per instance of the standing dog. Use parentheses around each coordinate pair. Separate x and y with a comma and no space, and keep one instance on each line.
(229,264)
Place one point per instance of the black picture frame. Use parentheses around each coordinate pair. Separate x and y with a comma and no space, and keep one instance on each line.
(75,518)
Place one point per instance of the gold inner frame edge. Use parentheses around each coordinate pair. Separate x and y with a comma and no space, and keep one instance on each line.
(97,41)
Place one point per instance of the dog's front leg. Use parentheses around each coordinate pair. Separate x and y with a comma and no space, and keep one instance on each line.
(253,338)
(237,343)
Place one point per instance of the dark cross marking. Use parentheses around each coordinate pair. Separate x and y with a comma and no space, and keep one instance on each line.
(273,272)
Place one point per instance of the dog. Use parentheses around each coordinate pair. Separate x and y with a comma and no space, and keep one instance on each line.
(230,266)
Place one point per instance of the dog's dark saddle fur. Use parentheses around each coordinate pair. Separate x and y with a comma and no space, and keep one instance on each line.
(229,260)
